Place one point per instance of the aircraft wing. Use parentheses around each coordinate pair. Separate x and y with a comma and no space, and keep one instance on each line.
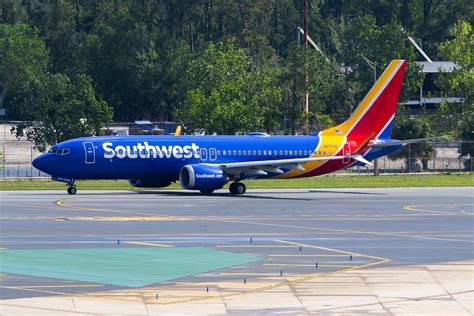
(401,142)
(263,167)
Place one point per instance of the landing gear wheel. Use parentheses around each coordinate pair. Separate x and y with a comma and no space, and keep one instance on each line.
(237,188)
(71,190)
(207,191)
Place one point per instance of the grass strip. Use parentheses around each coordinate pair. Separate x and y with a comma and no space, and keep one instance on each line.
(383,181)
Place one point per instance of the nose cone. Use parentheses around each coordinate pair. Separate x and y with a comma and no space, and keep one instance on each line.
(40,163)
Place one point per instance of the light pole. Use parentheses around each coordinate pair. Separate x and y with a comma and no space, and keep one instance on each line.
(306,94)
(373,65)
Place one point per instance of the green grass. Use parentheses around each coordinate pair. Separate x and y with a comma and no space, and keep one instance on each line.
(383,181)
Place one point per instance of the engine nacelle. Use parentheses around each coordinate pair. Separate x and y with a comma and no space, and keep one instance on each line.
(202,177)
(149,183)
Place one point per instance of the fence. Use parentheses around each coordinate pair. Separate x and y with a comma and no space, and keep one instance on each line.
(16,158)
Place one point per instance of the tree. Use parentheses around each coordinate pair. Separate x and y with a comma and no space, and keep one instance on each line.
(22,53)
(54,108)
(361,37)
(323,77)
(225,95)
(460,82)
(407,127)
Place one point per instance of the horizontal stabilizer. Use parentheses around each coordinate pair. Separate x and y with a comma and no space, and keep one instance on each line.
(362,160)
(401,142)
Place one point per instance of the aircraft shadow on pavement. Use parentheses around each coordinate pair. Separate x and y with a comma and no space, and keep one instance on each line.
(218,194)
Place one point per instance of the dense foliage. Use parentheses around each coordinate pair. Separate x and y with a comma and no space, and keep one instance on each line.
(218,65)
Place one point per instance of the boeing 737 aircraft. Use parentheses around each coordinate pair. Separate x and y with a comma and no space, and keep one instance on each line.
(207,163)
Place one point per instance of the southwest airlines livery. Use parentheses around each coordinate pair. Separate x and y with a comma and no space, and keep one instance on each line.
(207,163)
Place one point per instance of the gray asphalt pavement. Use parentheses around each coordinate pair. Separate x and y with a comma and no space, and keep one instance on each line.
(399,226)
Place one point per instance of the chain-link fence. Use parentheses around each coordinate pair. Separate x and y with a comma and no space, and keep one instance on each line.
(16,157)
(444,157)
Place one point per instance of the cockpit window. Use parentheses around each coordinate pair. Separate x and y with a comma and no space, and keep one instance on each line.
(56,150)
(53,150)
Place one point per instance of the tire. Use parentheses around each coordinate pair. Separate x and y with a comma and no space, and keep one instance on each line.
(237,188)
(72,190)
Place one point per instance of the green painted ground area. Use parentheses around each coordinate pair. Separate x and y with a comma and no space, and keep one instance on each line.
(121,266)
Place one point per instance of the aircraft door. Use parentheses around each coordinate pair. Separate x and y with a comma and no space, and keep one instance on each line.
(346,151)
(89,152)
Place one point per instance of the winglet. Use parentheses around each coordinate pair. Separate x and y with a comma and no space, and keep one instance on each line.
(177,132)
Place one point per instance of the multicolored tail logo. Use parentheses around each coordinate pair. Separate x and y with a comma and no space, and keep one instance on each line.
(371,120)
(375,113)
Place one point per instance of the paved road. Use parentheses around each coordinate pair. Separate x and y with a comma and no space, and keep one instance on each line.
(294,232)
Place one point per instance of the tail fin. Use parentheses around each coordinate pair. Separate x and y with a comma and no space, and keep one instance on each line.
(373,117)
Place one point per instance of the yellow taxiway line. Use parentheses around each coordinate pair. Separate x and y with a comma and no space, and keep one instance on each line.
(125,218)
(306,265)
(256,246)
(334,250)
(313,255)
(415,208)
(149,244)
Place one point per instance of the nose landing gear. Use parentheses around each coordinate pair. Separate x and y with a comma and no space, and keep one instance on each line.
(237,188)
(71,188)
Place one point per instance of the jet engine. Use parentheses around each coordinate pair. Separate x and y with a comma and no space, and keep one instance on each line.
(205,178)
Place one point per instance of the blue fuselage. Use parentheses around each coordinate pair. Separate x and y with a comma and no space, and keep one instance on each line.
(162,157)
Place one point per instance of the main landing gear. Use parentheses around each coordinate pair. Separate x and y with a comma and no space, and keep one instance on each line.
(237,188)
(71,189)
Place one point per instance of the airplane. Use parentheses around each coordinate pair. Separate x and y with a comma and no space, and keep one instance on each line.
(207,163)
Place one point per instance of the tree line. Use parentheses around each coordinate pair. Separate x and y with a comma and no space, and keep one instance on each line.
(68,67)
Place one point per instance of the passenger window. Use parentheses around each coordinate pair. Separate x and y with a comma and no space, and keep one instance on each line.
(212,154)
(229,153)
(264,152)
(223,153)
(301,152)
(203,154)
(239,153)
(254,152)
(234,152)
(286,152)
(281,152)
(244,152)
(259,152)
(269,152)
(218,153)
(291,152)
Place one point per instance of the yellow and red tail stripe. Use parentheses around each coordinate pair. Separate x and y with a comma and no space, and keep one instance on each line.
(367,122)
